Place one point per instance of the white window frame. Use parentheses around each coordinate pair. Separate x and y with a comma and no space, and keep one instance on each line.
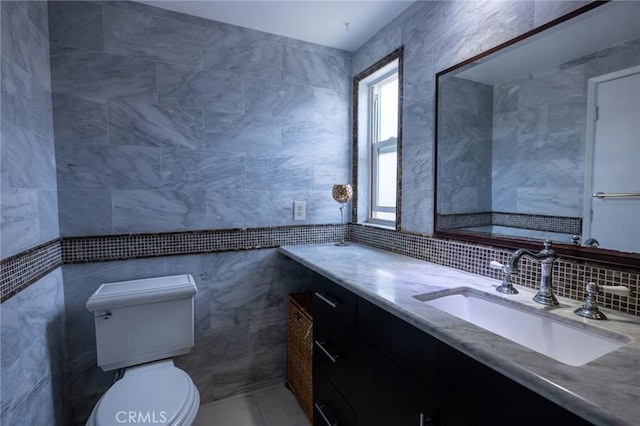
(377,147)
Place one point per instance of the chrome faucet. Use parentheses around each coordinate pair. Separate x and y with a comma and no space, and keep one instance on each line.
(590,307)
(546,257)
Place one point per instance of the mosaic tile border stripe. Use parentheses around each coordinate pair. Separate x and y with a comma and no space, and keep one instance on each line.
(131,246)
(569,276)
(23,269)
(562,224)
(19,271)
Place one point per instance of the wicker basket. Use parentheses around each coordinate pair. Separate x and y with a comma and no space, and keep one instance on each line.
(300,350)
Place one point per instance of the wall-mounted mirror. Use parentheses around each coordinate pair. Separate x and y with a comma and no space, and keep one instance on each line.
(528,132)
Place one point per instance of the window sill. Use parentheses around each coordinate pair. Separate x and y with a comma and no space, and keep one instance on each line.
(381,225)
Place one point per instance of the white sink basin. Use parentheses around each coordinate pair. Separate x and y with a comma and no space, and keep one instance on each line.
(572,344)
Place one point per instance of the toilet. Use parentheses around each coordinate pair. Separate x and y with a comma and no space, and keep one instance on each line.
(140,326)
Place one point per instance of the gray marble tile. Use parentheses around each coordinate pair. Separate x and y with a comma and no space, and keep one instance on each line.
(143,124)
(23,43)
(80,409)
(221,380)
(85,212)
(311,69)
(157,210)
(107,167)
(79,121)
(377,47)
(541,89)
(268,338)
(197,88)
(144,36)
(75,27)
(461,29)
(294,102)
(218,35)
(418,71)
(547,11)
(104,76)
(16,94)
(242,132)
(260,59)
(194,170)
(48,213)
(323,146)
(28,160)
(36,11)
(279,172)
(20,223)
(417,123)
(567,115)
(417,187)
(42,111)
(39,409)
(267,368)
(31,381)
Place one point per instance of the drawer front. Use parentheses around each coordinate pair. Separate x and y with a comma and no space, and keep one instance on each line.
(329,407)
(335,354)
(411,349)
(334,300)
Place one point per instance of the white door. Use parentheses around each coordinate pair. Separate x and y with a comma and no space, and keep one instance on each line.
(615,159)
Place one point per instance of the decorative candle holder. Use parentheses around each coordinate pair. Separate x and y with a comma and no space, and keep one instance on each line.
(342,193)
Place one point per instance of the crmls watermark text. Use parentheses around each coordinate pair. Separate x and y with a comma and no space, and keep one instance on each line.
(141,417)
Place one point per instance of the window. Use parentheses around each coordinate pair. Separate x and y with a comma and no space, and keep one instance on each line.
(383,119)
(377,141)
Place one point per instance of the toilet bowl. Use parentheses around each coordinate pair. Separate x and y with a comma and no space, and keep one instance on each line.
(140,326)
(154,393)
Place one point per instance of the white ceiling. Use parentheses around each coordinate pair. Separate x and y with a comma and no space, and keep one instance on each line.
(315,21)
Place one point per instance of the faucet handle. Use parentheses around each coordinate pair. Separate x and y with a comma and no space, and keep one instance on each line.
(618,290)
(494,264)
(506,287)
(590,308)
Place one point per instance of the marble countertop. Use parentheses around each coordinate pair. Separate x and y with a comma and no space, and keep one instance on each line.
(605,391)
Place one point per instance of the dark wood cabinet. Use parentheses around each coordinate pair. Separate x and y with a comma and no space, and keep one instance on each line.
(389,396)
(335,353)
(373,368)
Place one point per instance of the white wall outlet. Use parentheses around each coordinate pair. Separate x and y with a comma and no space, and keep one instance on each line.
(299,210)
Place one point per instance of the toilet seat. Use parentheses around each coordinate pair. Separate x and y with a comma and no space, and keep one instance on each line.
(154,393)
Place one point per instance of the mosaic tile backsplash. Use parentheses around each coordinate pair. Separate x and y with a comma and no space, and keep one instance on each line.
(570,276)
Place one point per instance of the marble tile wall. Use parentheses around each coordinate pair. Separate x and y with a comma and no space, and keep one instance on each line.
(166,122)
(32,366)
(465,166)
(28,201)
(559,120)
(240,320)
(33,356)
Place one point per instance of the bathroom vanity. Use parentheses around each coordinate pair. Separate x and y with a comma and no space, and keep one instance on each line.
(382,356)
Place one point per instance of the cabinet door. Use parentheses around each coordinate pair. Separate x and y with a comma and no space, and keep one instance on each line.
(388,396)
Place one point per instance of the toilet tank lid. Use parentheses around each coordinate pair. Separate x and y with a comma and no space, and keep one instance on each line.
(137,292)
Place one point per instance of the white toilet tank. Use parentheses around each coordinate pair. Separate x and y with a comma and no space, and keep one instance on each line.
(143,320)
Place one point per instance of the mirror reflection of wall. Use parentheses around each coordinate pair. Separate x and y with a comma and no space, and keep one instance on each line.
(512,152)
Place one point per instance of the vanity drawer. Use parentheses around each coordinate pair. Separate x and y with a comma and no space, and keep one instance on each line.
(335,354)
(329,407)
(335,301)
(411,349)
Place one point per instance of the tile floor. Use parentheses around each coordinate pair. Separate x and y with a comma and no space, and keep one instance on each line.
(271,406)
